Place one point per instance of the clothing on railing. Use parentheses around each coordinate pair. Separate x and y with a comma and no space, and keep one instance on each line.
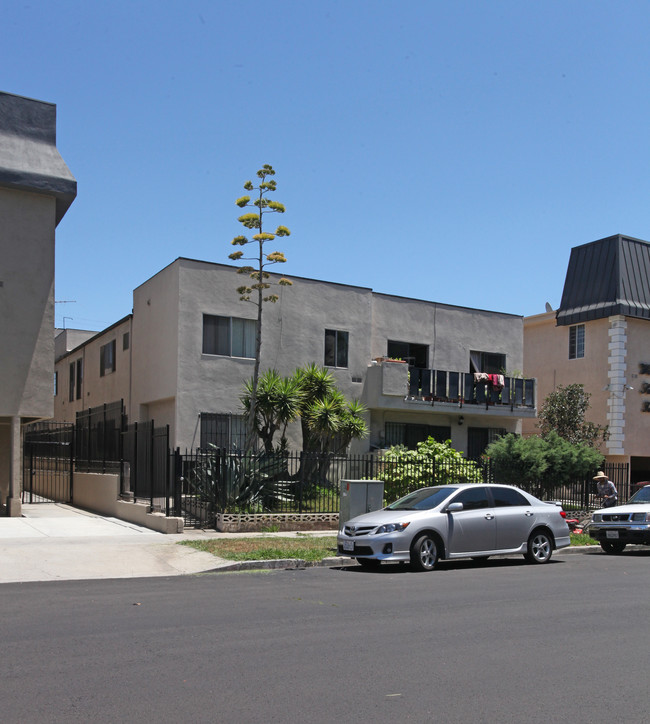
(497,382)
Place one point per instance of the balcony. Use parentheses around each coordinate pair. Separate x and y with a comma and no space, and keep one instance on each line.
(393,385)
(467,389)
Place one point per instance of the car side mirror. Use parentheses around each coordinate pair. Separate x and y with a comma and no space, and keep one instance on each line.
(454,507)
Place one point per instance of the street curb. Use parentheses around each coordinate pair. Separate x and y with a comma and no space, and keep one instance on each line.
(281,564)
(299,563)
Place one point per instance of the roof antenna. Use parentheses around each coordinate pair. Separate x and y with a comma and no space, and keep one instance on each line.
(549,308)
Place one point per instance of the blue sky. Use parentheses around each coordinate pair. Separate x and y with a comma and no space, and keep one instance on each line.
(453,151)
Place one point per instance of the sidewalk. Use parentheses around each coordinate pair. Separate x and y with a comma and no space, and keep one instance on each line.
(54,541)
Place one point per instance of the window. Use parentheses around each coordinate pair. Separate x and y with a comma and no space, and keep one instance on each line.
(56,383)
(223,431)
(71,385)
(336,348)
(492,363)
(107,359)
(229,336)
(417,355)
(80,377)
(472,498)
(410,434)
(577,341)
(506,497)
(125,341)
(478,438)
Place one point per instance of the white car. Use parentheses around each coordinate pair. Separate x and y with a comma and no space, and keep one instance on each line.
(456,521)
(619,525)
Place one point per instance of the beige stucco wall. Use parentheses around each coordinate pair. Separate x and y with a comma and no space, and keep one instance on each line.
(95,389)
(637,421)
(546,357)
(100,494)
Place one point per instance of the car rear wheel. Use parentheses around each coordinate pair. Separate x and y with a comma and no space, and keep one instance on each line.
(368,562)
(424,553)
(612,548)
(540,547)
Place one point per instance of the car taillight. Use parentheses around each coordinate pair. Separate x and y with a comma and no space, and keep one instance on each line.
(563,513)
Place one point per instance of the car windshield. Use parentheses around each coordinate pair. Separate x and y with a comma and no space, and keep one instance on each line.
(641,496)
(424,499)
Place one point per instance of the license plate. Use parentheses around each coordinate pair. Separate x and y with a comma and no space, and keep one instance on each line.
(348,545)
(611,534)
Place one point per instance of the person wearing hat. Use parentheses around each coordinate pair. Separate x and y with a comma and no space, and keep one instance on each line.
(606,490)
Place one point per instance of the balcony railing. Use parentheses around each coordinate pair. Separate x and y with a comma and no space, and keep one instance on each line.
(466,388)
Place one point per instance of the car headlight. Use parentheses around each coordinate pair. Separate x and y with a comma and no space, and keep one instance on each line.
(596,518)
(391,528)
(641,517)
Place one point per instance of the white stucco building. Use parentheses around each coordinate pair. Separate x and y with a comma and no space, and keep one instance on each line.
(182,356)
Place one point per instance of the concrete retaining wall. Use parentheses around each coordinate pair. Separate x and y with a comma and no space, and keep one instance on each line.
(100,494)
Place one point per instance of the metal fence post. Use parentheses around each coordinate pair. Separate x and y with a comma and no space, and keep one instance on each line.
(151,466)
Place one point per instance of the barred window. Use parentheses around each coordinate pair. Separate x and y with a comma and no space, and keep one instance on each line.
(223,431)
(577,341)
(410,434)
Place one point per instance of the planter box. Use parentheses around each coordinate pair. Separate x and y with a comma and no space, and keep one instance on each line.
(254,522)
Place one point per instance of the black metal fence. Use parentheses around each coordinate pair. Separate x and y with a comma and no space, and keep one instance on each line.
(146,466)
(98,438)
(210,482)
(203,483)
(582,494)
(48,463)
(215,481)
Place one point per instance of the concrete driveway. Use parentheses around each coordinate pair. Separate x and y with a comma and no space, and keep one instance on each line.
(53,541)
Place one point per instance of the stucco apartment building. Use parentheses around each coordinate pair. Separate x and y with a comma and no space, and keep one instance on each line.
(600,337)
(182,356)
(36,190)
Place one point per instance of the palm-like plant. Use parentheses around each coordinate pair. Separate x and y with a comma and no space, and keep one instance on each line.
(316,384)
(279,402)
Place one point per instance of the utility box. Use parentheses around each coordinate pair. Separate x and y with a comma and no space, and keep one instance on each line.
(360,496)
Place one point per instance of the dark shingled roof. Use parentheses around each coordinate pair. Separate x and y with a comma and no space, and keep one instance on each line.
(606,277)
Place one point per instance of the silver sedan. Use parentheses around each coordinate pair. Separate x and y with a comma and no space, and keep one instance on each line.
(456,521)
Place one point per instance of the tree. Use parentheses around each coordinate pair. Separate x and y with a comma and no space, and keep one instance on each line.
(259,278)
(563,412)
(329,421)
(542,463)
(334,422)
(278,403)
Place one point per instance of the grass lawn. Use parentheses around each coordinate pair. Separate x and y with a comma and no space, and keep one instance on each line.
(304,547)
(582,539)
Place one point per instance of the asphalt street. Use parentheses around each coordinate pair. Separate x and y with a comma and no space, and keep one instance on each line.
(501,641)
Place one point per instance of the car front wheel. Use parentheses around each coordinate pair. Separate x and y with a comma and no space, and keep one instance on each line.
(540,548)
(424,553)
(612,548)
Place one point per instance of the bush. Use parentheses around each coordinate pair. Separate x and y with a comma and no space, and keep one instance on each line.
(431,463)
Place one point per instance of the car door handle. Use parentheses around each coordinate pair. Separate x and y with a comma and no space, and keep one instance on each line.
(488,516)
(528,513)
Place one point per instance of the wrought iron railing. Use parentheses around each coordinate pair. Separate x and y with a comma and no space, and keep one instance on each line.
(466,388)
